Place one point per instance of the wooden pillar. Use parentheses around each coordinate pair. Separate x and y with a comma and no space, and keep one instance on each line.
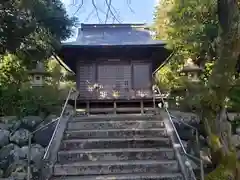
(75,106)
(142,106)
(132,76)
(115,107)
(88,107)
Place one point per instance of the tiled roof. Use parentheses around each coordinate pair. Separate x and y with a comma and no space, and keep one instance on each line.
(113,34)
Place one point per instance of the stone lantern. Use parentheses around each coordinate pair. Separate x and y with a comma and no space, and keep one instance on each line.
(38,75)
(191,70)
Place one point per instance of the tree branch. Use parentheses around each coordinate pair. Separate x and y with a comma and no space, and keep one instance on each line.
(96,9)
(79,7)
(129,6)
(89,15)
(108,10)
(110,7)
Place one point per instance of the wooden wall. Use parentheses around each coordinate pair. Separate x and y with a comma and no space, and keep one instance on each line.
(127,77)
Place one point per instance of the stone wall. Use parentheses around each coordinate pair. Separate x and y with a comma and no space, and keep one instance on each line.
(14,135)
(188,117)
(192,119)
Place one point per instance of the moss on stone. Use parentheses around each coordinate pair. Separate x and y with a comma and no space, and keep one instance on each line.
(229,169)
(220,173)
(215,142)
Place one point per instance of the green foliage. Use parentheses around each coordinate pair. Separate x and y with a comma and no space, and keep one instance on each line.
(30,30)
(228,169)
(191,96)
(27,25)
(191,30)
(207,71)
(194,27)
(161,18)
(167,78)
(220,173)
(57,72)
(206,31)
(17,96)
(29,101)
(59,77)
(12,70)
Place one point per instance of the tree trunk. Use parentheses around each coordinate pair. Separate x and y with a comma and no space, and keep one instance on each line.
(214,99)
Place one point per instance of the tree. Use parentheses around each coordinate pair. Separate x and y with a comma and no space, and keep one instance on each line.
(189,31)
(29,31)
(162,19)
(222,77)
(208,31)
(12,71)
(191,28)
(33,28)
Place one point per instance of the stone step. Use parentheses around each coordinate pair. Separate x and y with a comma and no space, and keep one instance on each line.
(137,124)
(116,154)
(144,176)
(76,144)
(116,167)
(116,133)
(111,117)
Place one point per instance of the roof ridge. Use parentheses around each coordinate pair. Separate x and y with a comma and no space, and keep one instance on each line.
(83,26)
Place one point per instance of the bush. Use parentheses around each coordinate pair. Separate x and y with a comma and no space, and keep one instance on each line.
(29,101)
(18,98)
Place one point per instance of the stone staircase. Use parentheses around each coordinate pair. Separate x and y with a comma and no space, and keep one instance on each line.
(116,147)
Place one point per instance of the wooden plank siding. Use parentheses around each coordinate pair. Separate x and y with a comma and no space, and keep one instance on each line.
(86,75)
(127,77)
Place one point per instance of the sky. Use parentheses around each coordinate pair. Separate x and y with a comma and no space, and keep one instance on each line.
(125,11)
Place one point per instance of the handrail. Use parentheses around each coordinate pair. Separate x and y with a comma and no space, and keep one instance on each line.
(54,133)
(60,117)
(180,141)
(43,127)
(174,128)
(197,139)
(30,144)
(182,122)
